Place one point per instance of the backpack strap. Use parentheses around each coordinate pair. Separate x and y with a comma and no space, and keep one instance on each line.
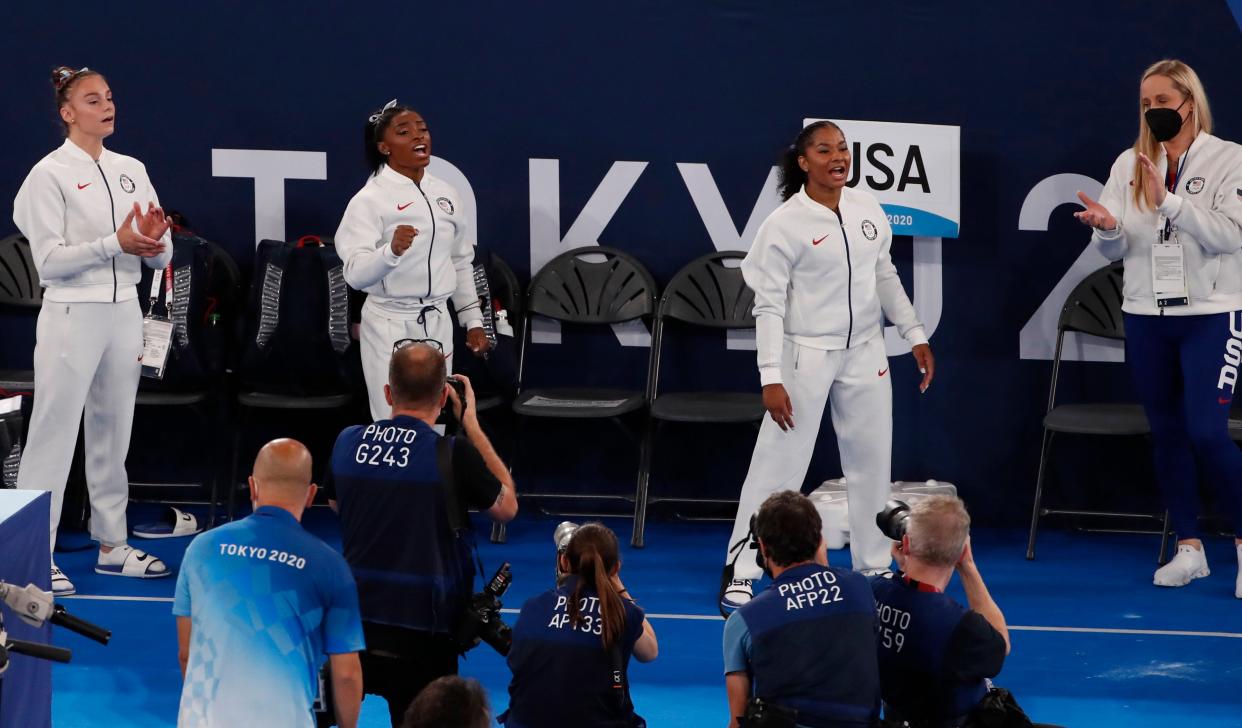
(269,294)
(338,298)
(483,289)
(177,301)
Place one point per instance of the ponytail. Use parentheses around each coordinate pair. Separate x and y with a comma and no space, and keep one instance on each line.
(792,178)
(593,554)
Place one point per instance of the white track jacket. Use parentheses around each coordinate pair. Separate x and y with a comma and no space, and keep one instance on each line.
(1206,211)
(69,208)
(437,265)
(825,281)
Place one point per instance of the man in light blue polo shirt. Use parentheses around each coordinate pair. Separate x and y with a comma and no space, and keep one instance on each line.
(259,602)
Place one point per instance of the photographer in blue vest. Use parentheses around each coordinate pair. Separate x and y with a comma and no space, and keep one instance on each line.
(403,493)
(572,644)
(802,652)
(936,656)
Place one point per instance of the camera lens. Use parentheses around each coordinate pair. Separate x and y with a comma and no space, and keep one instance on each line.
(892,520)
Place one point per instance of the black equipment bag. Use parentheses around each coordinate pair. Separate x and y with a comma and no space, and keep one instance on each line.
(501,300)
(10,446)
(202,305)
(297,320)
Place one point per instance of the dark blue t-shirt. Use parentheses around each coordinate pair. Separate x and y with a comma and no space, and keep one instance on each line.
(412,570)
(935,654)
(562,675)
(807,642)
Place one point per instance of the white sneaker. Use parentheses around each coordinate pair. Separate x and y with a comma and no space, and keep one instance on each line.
(1237,587)
(1190,563)
(737,594)
(61,586)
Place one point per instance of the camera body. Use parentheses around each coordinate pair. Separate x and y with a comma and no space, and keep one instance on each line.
(894,519)
(561,537)
(763,714)
(481,622)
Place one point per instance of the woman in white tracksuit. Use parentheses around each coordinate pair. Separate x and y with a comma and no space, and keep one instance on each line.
(822,276)
(405,241)
(81,209)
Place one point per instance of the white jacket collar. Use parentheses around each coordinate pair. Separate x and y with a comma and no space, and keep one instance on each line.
(78,153)
(389,174)
(814,205)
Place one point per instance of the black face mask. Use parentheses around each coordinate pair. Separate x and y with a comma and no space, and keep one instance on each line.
(1164,123)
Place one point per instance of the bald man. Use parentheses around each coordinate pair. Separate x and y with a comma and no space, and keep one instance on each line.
(414,569)
(259,603)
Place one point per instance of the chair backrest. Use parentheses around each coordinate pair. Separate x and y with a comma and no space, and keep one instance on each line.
(571,289)
(706,292)
(19,281)
(1094,306)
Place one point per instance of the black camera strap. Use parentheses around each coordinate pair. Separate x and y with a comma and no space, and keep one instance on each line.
(620,687)
(460,526)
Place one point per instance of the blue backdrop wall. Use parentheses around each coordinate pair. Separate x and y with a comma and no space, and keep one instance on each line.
(1038,90)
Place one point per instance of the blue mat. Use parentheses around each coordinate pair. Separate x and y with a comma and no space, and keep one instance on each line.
(1146,656)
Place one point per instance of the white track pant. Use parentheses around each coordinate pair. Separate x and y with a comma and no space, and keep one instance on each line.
(86,355)
(381,329)
(862,415)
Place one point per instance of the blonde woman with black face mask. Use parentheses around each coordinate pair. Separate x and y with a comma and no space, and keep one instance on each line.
(1172,210)
(93,220)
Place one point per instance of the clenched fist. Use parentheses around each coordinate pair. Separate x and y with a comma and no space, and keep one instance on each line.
(402,238)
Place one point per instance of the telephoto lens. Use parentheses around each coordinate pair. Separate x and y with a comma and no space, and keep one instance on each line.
(892,520)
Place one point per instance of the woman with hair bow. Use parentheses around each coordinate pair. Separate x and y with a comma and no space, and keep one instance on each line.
(404,240)
(82,209)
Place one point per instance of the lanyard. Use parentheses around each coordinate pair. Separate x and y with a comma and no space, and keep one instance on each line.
(1181,168)
(156,279)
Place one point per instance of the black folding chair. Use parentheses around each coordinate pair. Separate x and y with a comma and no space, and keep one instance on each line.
(250,401)
(1092,308)
(20,291)
(573,290)
(708,292)
(204,401)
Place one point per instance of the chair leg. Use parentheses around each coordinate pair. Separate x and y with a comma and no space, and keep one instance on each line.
(644,480)
(1039,492)
(1164,540)
(500,530)
(213,466)
(230,481)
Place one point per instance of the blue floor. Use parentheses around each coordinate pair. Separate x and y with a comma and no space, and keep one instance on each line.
(1095,582)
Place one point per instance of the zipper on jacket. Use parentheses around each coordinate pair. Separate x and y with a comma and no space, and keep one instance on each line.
(849,271)
(432,246)
(112,208)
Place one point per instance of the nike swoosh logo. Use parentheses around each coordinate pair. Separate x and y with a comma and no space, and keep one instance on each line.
(817,242)
(1222,400)
(883,372)
(82,187)
(402,207)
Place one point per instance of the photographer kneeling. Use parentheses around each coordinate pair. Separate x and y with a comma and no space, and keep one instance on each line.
(402,492)
(935,655)
(572,644)
(802,651)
